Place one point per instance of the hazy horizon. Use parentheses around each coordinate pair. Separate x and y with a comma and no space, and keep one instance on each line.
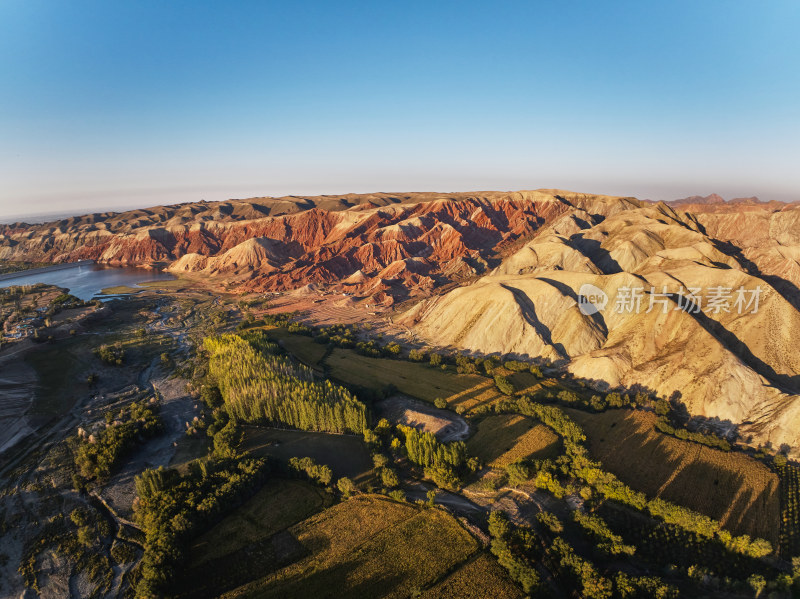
(77,210)
(111,106)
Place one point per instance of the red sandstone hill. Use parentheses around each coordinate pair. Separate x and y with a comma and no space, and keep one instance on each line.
(389,245)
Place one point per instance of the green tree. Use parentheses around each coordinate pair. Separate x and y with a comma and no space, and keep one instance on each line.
(397,495)
(518,472)
(503,384)
(389,478)
(757,583)
(346,487)
(431,495)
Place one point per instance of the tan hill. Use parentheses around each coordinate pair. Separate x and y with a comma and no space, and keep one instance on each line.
(735,367)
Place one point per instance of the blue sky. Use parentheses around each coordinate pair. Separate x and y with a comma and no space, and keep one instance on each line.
(119,104)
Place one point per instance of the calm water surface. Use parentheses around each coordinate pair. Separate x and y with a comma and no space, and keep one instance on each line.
(88,280)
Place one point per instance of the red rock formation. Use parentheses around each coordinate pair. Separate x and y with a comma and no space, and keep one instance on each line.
(400,244)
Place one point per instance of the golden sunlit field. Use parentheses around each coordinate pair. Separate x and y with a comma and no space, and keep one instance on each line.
(737,490)
(411,378)
(479,578)
(505,438)
(368,546)
(484,393)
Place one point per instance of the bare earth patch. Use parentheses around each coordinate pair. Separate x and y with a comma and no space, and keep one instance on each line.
(445,424)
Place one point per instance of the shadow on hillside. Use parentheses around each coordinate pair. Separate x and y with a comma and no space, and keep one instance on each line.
(528,311)
(592,249)
(784,382)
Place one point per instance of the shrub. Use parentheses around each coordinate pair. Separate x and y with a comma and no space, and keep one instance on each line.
(518,472)
(111,354)
(416,355)
(389,478)
(346,487)
(503,384)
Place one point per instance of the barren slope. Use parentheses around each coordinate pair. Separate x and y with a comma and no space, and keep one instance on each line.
(737,367)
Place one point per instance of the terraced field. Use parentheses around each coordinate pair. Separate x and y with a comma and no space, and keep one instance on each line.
(505,438)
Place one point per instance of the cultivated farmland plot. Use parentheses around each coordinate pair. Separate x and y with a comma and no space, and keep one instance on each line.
(505,438)
(410,378)
(367,547)
(731,487)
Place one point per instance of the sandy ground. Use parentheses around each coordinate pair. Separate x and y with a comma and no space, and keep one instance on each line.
(176,408)
(445,424)
(16,394)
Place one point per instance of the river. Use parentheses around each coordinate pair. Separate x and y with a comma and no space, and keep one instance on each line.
(85,281)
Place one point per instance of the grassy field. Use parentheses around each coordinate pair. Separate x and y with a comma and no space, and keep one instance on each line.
(737,490)
(251,541)
(189,449)
(368,546)
(176,284)
(303,348)
(524,382)
(485,393)
(410,378)
(120,289)
(280,504)
(505,438)
(345,454)
(479,578)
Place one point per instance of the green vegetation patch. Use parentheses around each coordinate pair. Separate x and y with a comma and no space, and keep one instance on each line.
(790,507)
(260,386)
(411,378)
(120,290)
(302,347)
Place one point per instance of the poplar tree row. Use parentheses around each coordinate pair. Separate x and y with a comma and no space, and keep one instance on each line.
(426,450)
(259,386)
